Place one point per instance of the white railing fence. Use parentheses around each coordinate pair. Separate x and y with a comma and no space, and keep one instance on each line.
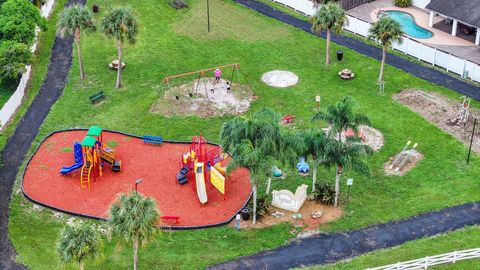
(426,262)
(15,100)
(433,56)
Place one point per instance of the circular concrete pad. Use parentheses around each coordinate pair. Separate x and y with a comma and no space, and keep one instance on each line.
(280,78)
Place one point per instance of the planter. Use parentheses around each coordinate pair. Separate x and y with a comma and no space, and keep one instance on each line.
(245,213)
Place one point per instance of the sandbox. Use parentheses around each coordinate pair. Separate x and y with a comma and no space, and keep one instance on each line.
(157,165)
(280,78)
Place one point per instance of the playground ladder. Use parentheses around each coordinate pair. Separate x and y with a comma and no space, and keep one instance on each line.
(85,176)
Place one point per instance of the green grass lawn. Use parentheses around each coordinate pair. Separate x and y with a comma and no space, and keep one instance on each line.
(466,238)
(172,42)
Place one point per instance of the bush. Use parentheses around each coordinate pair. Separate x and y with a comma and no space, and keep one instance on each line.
(178,4)
(402,3)
(18,20)
(13,59)
(325,194)
(262,206)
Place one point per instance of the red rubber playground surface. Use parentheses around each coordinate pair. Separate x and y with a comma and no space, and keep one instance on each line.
(156,165)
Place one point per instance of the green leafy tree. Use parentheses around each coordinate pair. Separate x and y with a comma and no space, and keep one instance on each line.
(345,155)
(72,22)
(255,142)
(78,244)
(385,31)
(14,57)
(342,116)
(330,17)
(315,142)
(120,24)
(18,21)
(133,218)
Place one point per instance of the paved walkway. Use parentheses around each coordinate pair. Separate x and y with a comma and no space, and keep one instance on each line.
(19,143)
(417,70)
(329,248)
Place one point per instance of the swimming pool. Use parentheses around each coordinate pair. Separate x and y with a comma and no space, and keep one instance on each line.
(409,26)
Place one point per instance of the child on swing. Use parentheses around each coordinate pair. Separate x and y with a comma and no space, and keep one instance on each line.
(218,74)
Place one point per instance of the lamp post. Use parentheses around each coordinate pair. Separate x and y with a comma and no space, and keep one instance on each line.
(471,140)
(138,181)
(208,15)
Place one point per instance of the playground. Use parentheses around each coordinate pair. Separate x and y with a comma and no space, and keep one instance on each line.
(157,165)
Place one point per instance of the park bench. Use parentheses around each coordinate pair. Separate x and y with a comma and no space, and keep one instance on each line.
(97,97)
(152,139)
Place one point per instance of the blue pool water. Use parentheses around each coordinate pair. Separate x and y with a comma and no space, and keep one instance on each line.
(409,26)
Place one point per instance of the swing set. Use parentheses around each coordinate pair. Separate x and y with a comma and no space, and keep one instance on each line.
(200,77)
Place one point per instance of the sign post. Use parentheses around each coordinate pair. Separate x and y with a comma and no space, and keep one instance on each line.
(317,99)
(349,184)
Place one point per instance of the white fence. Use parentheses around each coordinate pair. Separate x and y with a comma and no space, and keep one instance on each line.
(426,262)
(15,100)
(422,52)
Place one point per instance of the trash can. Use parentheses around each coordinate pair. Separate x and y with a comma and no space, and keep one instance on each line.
(245,213)
(95,8)
(339,55)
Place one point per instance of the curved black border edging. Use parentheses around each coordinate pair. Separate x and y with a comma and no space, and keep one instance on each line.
(104,219)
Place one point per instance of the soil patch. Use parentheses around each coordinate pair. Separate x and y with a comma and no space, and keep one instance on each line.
(408,165)
(329,213)
(205,98)
(280,78)
(441,111)
(369,136)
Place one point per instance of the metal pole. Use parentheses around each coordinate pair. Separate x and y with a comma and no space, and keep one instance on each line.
(471,140)
(348,193)
(208,15)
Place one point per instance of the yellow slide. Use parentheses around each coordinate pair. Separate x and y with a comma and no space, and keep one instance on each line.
(200,182)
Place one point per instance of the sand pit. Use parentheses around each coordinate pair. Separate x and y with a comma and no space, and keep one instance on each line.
(369,136)
(441,111)
(409,164)
(330,213)
(204,99)
(280,78)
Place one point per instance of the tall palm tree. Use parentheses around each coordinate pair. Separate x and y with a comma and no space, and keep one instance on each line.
(385,31)
(315,143)
(343,155)
(255,141)
(342,116)
(329,16)
(133,218)
(78,244)
(73,21)
(122,25)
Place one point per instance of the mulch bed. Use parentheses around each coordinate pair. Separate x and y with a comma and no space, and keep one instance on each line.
(156,165)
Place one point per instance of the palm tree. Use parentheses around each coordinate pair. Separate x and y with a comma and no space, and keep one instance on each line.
(72,22)
(385,31)
(77,244)
(315,142)
(341,116)
(332,17)
(343,155)
(120,24)
(133,218)
(254,141)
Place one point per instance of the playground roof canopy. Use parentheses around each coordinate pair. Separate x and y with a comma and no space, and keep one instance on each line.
(94,131)
(89,141)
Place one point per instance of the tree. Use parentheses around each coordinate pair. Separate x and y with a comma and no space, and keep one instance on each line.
(315,142)
(72,22)
(342,116)
(120,24)
(133,218)
(332,17)
(254,142)
(18,21)
(14,57)
(78,244)
(385,31)
(343,155)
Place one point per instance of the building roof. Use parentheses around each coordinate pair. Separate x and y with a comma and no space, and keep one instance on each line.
(467,11)
(88,141)
(94,131)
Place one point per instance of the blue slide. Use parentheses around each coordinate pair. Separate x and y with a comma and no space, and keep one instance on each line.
(77,154)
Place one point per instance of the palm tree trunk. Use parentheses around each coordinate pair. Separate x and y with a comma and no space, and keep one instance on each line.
(337,185)
(314,173)
(254,188)
(79,53)
(82,266)
(382,67)
(135,253)
(119,67)
(327,57)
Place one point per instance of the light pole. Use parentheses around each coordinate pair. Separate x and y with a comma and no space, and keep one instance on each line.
(138,181)
(208,15)
(471,140)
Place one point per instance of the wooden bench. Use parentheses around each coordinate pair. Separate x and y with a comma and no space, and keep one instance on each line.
(171,218)
(97,97)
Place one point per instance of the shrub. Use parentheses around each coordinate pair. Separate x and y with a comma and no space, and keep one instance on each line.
(13,59)
(18,20)
(325,194)
(178,4)
(262,205)
(402,3)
